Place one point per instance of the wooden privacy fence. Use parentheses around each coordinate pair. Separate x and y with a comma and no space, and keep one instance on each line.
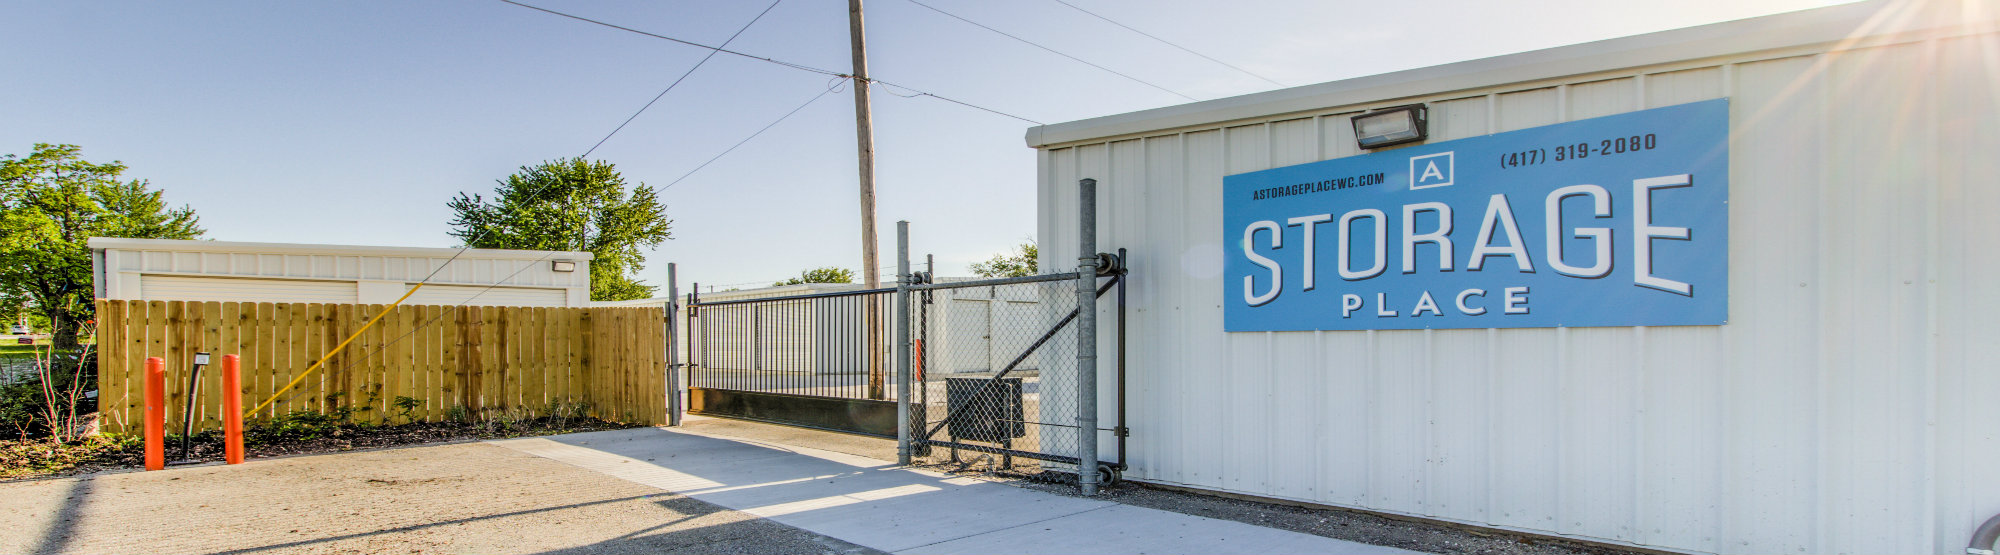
(481,362)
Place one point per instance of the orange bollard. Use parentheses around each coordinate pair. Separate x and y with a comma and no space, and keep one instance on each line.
(156,413)
(232,410)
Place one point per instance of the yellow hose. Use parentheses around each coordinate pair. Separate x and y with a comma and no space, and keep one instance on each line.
(336,350)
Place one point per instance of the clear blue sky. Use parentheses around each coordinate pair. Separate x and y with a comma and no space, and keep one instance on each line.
(354,122)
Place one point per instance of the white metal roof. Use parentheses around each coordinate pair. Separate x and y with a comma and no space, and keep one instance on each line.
(242,247)
(1862,23)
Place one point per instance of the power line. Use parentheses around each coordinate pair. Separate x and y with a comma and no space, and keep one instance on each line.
(358,359)
(483,232)
(960,103)
(732,148)
(524,267)
(801,67)
(677,81)
(841,78)
(712,49)
(1051,50)
(1169,43)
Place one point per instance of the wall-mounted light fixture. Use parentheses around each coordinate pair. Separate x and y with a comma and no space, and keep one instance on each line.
(1391,126)
(563,266)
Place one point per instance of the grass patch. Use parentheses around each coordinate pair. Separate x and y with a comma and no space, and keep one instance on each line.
(9,347)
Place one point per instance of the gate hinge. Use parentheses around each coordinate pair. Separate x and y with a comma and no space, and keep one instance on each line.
(1121,431)
(1110,265)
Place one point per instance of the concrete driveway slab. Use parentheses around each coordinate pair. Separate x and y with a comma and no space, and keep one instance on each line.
(871,503)
(867,501)
(1112,532)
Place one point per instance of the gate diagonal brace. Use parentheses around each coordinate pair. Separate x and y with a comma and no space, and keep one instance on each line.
(977,393)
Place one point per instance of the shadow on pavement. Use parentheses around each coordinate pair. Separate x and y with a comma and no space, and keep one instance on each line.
(63,524)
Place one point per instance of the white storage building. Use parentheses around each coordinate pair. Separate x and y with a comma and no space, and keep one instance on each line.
(169,269)
(1844,403)
(793,335)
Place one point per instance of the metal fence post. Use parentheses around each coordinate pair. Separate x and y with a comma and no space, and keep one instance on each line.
(673,340)
(1086,336)
(903,342)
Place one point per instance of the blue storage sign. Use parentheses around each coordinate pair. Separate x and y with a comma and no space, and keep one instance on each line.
(1613,221)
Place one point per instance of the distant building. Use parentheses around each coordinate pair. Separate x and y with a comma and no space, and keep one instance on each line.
(169,269)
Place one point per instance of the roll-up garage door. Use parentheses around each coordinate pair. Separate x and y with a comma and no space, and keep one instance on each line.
(186,288)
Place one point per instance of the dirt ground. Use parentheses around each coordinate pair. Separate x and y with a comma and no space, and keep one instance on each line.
(1330,523)
(455,498)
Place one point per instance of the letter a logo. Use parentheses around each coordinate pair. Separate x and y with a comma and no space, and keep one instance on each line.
(1431,170)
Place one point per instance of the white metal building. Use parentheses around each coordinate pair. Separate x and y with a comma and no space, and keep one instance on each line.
(1845,406)
(734,353)
(168,269)
(980,329)
(790,333)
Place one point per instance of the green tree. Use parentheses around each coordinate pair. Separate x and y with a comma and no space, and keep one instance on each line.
(570,205)
(1018,264)
(51,203)
(828,274)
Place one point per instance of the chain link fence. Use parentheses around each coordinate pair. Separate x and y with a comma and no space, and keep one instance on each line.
(996,366)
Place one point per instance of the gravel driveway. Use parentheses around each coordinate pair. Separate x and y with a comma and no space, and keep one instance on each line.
(457,498)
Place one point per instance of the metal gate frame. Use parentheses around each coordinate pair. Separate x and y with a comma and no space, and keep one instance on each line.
(927,434)
(1091,265)
(780,399)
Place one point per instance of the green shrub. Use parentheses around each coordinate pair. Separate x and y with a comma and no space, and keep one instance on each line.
(298,425)
(25,400)
(405,405)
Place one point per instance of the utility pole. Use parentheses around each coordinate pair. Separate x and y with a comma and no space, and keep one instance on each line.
(864,131)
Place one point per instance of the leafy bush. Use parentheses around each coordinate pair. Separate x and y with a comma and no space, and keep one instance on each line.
(45,393)
(405,405)
(298,425)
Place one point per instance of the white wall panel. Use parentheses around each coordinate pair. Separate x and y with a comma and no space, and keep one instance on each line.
(1966,438)
(1845,407)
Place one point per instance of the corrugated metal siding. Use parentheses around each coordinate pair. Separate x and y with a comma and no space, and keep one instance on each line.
(183,288)
(1844,408)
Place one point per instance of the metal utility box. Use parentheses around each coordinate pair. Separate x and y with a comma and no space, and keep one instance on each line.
(992,409)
